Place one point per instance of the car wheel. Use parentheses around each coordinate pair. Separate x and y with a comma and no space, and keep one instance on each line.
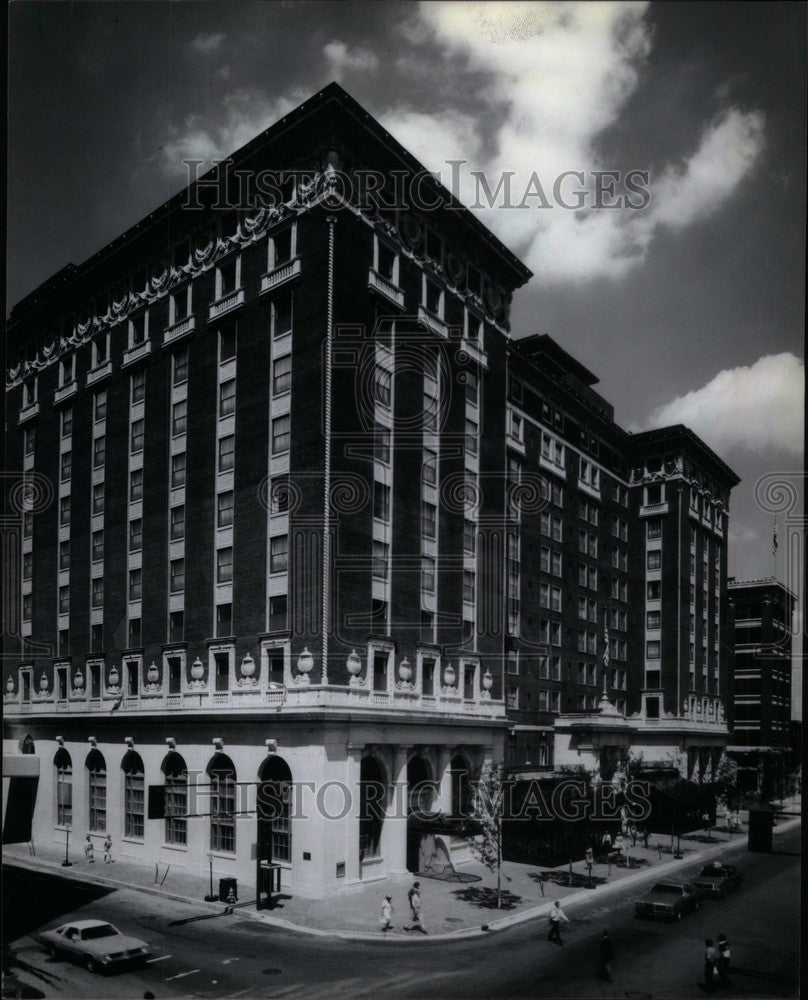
(53,951)
(91,965)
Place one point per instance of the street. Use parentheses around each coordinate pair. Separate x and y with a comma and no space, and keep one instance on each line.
(204,954)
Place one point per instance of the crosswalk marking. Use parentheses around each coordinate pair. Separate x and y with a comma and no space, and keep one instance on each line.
(181,975)
(160,958)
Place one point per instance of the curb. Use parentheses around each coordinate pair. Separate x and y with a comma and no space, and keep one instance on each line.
(483,930)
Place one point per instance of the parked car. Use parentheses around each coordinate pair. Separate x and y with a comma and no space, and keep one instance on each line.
(717,879)
(96,944)
(669,900)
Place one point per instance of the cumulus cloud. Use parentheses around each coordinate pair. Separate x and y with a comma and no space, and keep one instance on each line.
(341,59)
(755,407)
(242,114)
(207,44)
(555,76)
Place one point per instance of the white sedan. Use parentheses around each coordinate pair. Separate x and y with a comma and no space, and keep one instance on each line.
(97,945)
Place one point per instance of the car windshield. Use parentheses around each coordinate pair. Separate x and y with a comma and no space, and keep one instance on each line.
(672,890)
(102,931)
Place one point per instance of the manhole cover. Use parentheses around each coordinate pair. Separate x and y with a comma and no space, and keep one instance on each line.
(272,972)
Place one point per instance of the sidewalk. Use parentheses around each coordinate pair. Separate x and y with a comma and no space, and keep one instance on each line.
(450,908)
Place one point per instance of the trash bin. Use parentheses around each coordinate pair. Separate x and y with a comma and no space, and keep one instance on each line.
(225,885)
(761,822)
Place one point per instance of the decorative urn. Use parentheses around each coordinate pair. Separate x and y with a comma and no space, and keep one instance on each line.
(114,676)
(354,667)
(305,665)
(449,676)
(43,683)
(152,674)
(405,673)
(488,683)
(78,681)
(248,669)
(9,684)
(197,669)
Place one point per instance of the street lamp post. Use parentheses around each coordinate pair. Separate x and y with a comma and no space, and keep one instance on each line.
(67,863)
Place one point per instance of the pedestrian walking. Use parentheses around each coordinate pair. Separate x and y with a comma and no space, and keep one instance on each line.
(710,965)
(88,850)
(387,913)
(736,823)
(414,896)
(646,833)
(724,957)
(556,916)
(108,850)
(606,957)
(619,846)
(607,842)
(633,835)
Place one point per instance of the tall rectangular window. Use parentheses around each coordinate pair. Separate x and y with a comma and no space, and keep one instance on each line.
(133,803)
(97,592)
(135,485)
(280,434)
(98,546)
(227,398)
(227,452)
(137,436)
(277,613)
(279,554)
(224,565)
(224,620)
(177,523)
(138,386)
(177,471)
(428,520)
(224,509)
(100,406)
(98,498)
(135,584)
(282,375)
(67,462)
(180,366)
(282,315)
(99,452)
(227,343)
(179,418)
(381,501)
(380,550)
(177,576)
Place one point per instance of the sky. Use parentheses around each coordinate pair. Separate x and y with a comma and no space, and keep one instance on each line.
(690,309)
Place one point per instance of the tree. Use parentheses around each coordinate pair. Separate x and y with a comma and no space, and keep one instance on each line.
(488,807)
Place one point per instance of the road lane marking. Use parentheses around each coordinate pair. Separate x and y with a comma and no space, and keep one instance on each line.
(227,961)
(160,958)
(181,975)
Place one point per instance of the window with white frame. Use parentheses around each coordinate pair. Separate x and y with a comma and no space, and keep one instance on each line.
(279,554)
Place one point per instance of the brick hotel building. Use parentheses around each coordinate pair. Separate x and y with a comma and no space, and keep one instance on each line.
(292,505)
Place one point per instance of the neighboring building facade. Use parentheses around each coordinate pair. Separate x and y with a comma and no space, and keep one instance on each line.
(763,611)
(619,580)
(293,509)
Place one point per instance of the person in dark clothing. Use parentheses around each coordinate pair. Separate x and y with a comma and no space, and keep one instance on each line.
(710,965)
(606,957)
(724,955)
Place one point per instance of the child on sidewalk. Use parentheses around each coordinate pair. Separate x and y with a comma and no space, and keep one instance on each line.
(88,850)
(108,850)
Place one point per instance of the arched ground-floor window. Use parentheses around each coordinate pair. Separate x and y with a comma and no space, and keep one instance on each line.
(275,828)
(176,774)
(222,773)
(96,791)
(64,787)
(133,794)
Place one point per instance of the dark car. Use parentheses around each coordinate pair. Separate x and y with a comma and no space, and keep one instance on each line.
(717,879)
(97,945)
(669,900)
